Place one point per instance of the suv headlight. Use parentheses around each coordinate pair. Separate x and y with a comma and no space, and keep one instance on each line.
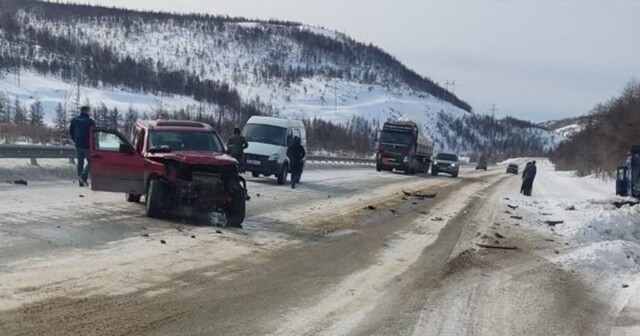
(274,157)
(406,159)
(453,165)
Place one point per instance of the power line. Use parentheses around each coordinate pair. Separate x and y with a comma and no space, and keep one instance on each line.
(493,110)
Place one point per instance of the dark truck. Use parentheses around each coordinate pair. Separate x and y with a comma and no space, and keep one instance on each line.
(628,175)
(402,146)
(176,165)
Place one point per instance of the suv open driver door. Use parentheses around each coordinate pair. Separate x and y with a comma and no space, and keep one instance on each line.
(115,165)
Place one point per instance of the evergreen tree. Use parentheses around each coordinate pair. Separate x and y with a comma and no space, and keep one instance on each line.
(130,119)
(5,115)
(61,120)
(19,116)
(36,113)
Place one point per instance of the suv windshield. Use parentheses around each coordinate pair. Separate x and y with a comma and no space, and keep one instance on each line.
(447,157)
(395,137)
(185,141)
(268,134)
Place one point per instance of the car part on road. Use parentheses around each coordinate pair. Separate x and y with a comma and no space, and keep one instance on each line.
(133,198)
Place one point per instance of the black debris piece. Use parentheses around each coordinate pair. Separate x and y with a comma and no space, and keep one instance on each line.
(20,182)
(516,217)
(162,241)
(553,222)
(498,235)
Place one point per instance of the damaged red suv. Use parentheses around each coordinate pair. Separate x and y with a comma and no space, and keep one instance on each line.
(175,164)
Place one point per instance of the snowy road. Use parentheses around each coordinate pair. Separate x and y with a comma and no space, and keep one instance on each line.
(345,254)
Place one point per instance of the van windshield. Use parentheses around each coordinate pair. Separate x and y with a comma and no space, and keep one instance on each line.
(269,134)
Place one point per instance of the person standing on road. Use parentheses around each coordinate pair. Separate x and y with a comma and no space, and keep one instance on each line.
(236,146)
(296,154)
(79,131)
(528,176)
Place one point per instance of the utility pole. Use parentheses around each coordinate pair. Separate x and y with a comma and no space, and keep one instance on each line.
(451,84)
(493,110)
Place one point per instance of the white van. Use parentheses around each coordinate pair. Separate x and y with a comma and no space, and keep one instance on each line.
(269,139)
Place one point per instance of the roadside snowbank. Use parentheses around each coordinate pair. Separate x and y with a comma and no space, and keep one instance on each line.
(601,240)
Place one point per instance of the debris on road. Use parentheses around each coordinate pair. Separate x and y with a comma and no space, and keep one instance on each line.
(513,207)
(162,241)
(370,207)
(437,219)
(571,208)
(517,217)
(393,211)
(553,222)
(20,182)
(146,235)
(623,203)
(81,196)
(193,237)
(497,247)
(498,235)
(625,286)
(419,194)
(218,231)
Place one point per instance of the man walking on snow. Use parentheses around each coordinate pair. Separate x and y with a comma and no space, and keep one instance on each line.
(528,176)
(79,132)
(296,154)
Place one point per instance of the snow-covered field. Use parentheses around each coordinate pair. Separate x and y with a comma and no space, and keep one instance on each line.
(602,241)
(50,91)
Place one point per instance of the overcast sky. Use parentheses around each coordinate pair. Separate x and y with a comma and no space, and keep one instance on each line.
(534,60)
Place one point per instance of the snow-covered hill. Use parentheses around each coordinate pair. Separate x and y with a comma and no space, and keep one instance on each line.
(225,66)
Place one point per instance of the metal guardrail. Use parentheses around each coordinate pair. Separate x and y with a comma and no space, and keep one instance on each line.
(35,152)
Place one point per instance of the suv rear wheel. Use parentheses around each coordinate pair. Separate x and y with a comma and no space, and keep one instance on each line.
(235,212)
(255,174)
(156,193)
(133,198)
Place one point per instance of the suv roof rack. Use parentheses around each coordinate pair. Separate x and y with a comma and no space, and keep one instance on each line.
(179,123)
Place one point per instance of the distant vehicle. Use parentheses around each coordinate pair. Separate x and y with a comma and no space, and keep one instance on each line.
(481,164)
(512,168)
(446,163)
(269,139)
(628,176)
(176,164)
(402,146)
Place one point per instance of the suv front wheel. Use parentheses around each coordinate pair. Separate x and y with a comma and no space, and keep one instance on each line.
(235,212)
(156,193)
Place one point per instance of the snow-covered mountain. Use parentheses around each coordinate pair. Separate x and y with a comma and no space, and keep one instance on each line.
(227,67)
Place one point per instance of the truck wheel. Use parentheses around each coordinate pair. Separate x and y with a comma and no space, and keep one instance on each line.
(255,174)
(282,177)
(156,193)
(133,198)
(235,212)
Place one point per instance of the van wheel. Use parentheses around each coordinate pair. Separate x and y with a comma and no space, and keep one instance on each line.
(255,174)
(133,198)
(235,212)
(156,193)
(434,171)
(455,175)
(282,177)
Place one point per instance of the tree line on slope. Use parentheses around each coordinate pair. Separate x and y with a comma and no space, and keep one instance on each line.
(491,137)
(22,123)
(320,54)
(611,129)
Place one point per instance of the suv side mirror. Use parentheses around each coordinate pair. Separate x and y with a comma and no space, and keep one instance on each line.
(126,148)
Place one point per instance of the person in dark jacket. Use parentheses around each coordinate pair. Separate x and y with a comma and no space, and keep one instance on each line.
(236,146)
(296,154)
(79,131)
(528,175)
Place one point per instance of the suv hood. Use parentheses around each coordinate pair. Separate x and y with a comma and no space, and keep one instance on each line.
(196,158)
(444,161)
